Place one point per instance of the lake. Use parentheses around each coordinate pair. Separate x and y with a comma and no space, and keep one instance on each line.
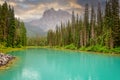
(47,64)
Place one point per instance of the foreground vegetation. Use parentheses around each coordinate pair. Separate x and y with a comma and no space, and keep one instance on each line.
(9,49)
(71,47)
(96,48)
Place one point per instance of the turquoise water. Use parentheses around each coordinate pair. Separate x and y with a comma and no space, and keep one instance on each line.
(46,64)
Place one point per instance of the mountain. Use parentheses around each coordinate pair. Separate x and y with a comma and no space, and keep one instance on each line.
(49,20)
(33,31)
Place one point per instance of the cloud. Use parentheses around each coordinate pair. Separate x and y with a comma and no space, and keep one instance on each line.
(91,2)
(33,9)
(10,3)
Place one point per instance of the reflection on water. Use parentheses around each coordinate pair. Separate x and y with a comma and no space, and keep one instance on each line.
(45,64)
(29,74)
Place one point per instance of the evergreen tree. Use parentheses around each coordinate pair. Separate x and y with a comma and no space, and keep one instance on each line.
(12,31)
(108,25)
(1,32)
(99,20)
(92,27)
(73,27)
(86,25)
(69,33)
(4,19)
(115,17)
(23,34)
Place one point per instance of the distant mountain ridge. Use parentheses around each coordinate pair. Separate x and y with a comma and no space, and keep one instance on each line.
(49,20)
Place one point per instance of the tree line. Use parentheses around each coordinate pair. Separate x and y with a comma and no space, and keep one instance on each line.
(97,27)
(37,41)
(12,30)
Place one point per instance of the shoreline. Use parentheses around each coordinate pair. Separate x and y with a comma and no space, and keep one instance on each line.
(89,52)
(5,59)
(7,50)
(76,50)
(8,65)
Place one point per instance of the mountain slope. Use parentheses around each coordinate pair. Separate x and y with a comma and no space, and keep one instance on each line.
(49,20)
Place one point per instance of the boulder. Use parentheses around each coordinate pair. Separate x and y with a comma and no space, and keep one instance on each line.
(5,58)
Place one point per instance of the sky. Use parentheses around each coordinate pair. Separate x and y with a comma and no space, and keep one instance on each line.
(28,10)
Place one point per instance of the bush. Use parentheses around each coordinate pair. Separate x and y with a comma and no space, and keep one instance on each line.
(18,46)
(2,45)
(96,48)
(99,48)
(82,49)
(116,50)
(71,46)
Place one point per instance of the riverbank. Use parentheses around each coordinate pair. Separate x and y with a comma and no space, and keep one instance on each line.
(9,49)
(5,59)
(9,64)
(85,50)
(98,50)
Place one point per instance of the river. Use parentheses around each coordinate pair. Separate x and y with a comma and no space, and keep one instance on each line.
(47,64)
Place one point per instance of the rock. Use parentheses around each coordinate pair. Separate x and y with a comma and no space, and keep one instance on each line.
(5,58)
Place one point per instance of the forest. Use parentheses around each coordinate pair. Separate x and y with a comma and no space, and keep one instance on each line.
(12,30)
(97,30)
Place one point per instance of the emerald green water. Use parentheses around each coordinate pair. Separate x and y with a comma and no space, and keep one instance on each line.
(46,64)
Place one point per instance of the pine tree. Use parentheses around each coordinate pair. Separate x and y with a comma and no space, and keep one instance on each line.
(81,33)
(73,27)
(99,20)
(86,25)
(4,19)
(11,33)
(1,32)
(108,25)
(23,34)
(69,33)
(77,32)
(8,27)
(57,36)
(115,17)
(92,26)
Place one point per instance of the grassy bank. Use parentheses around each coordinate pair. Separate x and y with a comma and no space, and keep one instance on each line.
(96,49)
(9,49)
(93,49)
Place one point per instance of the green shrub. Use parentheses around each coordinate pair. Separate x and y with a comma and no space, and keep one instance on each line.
(71,46)
(99,48)
(96,48)
(19,46)
(116,50)
(82,49)
(2,45)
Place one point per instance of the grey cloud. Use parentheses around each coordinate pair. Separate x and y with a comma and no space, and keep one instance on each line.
(30,9)
(91,2)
